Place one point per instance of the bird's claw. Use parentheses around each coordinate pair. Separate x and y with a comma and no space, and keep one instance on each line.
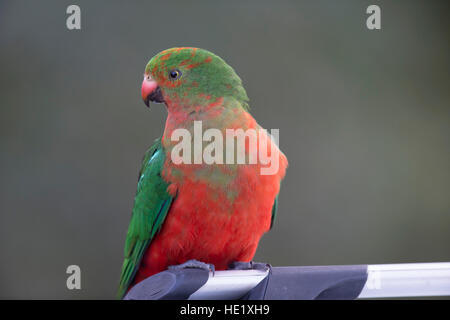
(195,264)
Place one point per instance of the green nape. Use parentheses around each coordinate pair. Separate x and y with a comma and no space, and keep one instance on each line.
(151,204)
(202,74)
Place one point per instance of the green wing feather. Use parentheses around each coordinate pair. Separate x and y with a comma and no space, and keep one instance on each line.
(151,204)
(274,211)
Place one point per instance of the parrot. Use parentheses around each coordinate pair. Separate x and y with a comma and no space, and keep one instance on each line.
(211,213)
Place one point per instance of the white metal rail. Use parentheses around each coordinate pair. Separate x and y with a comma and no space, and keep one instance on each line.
(407,280)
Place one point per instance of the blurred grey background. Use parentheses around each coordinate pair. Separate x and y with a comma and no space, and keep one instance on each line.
(364,119)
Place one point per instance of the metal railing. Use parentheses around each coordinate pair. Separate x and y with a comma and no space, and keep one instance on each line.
(310,282)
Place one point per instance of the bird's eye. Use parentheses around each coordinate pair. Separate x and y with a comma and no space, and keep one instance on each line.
(174,74)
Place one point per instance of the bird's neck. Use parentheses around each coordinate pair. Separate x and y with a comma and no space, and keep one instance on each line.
(220,113)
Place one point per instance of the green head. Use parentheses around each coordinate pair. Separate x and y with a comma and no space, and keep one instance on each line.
(190,77)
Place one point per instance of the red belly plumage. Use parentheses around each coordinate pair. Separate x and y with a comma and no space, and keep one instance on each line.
(204,224)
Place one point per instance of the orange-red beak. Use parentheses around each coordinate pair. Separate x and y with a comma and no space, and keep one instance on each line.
(150,91)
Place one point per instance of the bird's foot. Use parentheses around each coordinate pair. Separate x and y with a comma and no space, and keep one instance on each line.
(195,264)
(252,265)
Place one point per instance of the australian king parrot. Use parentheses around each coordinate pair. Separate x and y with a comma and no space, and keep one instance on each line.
(209,211)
